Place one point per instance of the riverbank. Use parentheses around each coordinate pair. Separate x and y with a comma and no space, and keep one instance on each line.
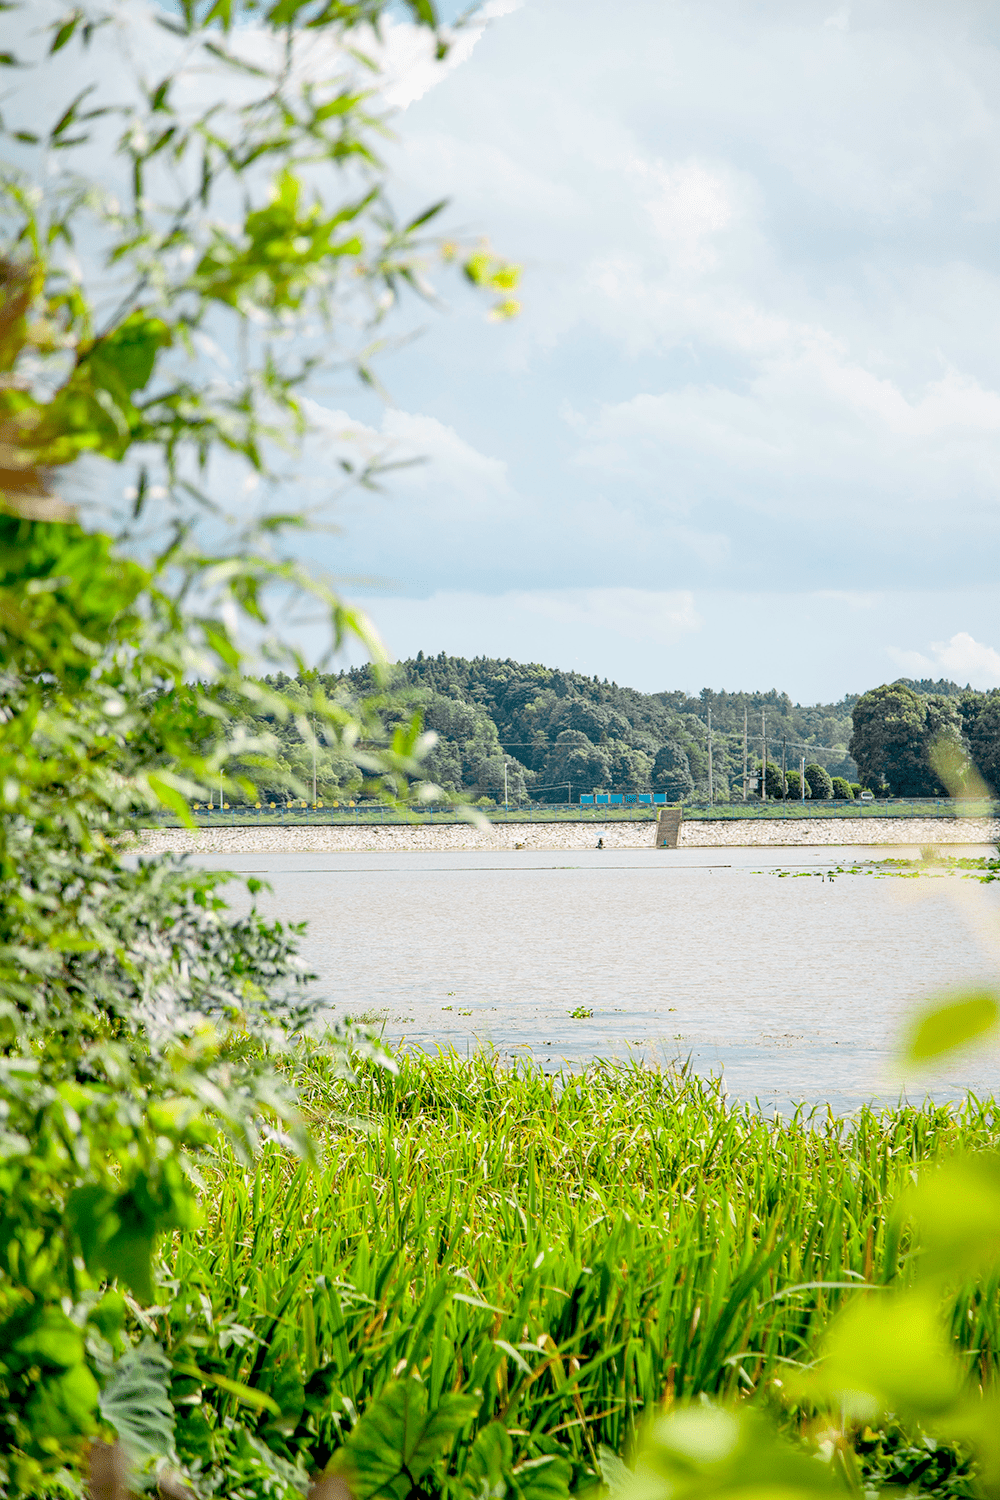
(732,833)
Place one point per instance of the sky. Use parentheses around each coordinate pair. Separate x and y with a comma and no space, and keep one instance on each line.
(746,430)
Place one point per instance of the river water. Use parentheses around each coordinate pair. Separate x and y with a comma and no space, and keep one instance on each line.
(794,988)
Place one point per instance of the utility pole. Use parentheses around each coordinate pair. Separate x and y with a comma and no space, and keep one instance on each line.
(744,752)
(802,775)
(784,783)
(314,768)
(711,790)
(763,757)
(506,808)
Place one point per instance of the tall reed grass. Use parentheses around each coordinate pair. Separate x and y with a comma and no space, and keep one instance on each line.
(575,1251)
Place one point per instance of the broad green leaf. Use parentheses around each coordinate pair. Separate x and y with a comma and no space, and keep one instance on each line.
(397,1440)
(545,1478)
(87,1216)
(487,1460)
(109,1314)
(942,1028)
(136,1401)
(128,1255)
(123,362)
(172,798)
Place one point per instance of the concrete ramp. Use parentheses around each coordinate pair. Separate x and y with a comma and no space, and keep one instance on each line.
(668,828)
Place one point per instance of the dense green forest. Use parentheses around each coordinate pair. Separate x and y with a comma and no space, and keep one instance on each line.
(560,734)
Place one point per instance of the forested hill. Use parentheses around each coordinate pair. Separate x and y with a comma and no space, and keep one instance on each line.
(562,733)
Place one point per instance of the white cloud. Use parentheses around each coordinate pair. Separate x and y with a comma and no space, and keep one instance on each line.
(722,638)
(688,205)
(808,417)
(423,454)
(963,659)
(760,286)
(408,60)
(634,614)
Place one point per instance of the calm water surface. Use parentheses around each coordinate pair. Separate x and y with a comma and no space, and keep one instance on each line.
(794,988)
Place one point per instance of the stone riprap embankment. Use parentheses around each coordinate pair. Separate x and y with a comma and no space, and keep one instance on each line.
(336,838)
(772,833)
(765,833)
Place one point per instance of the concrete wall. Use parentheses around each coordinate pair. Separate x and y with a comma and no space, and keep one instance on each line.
(720,833)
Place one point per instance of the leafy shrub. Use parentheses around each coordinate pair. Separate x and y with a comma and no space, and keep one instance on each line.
(842,789)
(794,783)
(775,783)
(820,781)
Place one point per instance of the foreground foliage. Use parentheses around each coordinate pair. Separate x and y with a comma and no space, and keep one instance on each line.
(529,1267)
(172,263)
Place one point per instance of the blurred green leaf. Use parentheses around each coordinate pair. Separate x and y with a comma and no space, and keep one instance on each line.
(705,1451)
(943,1028)
(887,1351)
(956,1213)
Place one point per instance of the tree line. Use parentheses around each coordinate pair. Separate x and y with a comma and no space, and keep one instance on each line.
(914,739)
(527,732)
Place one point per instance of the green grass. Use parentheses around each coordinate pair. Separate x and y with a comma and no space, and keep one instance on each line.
(570,1251)
(391,817)
(944,809)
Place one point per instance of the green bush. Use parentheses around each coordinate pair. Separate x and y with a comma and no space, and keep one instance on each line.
(794,783)
(842,789)
(820,782)
(774,781)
